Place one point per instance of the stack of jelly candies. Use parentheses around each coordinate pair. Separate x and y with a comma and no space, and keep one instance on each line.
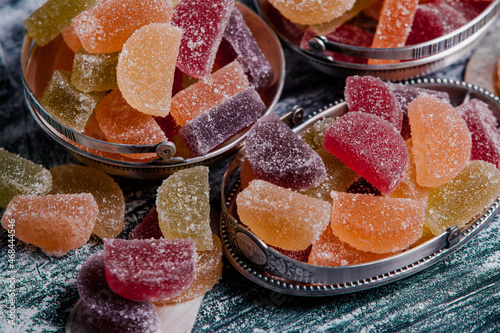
(401,166)
(141,72)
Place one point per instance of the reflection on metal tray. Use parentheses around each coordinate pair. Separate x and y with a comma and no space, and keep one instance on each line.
(37,64)
(271,269)
(416,60)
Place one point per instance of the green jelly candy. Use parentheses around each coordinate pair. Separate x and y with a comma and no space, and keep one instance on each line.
(21,176)
(184,207)
(54,16)
(315,134)
(66,104)
(94,72)
(462,198)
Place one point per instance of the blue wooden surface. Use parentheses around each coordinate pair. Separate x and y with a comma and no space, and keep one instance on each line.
(459,294)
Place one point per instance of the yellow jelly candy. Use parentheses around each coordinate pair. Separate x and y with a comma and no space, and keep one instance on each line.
(312,11)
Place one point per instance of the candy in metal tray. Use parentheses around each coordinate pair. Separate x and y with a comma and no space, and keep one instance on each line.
(269,268)
(37,60)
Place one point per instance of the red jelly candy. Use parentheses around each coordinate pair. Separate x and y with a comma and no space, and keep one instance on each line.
(148,228)
(371,147)
(149,269)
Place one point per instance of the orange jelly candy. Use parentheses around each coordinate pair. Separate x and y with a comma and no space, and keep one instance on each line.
(121,123)
(71,38)
(375,223)
(282,217)
(106,27)
(55,223)
(441,140)
(208,92)
(394,26)
(146,66)
(312,11)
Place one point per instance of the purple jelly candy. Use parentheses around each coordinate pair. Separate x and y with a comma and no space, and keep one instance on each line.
(370,94)
(148,228)
(105,309)
(203,23)
(279,156)
(248,51)
(210,129)
(482,125)
(371,147)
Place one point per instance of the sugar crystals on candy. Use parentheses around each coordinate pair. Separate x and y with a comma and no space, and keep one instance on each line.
(148,228)
(94,72)
(312,11)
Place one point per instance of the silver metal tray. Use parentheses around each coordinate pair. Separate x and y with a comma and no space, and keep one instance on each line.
(417,60)
(36,63)
(269,268)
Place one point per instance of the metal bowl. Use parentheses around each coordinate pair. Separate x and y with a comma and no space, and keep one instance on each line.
(37,62)
(416,60)
(269,268)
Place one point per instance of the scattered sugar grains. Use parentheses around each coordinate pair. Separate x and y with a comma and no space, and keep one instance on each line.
(55,223)
(106,27)
(94,72)
(313,11)
(462,198)
(184,208)
(315,134)
(212,128)
(208,92)
(375,223)
(107,193)
(441,140)
(54,16)
(66,104)
(282,217)
(19,175)
(149,269)
(279,156)
(202,23)
(146,66)
(108,311)
(371,146)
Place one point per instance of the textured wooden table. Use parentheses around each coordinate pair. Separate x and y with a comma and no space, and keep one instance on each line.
(459,294)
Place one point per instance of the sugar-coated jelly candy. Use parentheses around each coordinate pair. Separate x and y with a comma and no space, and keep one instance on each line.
(462,198)
(394,26)
(149,269)
(71,38)
(94,72)
(184,208)
(19,175)
(203,23)
(371,146)
(282,217)
(248,51)
(329,250)
(54,16)
(208,92)
(72,179)
(441,140)
(370,94)
(482,125)
(108,311)
(107,26)
(279,156)
(338,177)
(301,255)
(146,66)
(207,273)
(375,223)
(54,223)
(148,228)
(66,104)
(362,186)
(315,134)
(121,123)
(212,128)
(313,11)
(63,60)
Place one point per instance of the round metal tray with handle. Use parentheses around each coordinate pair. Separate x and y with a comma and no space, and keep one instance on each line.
(269,268)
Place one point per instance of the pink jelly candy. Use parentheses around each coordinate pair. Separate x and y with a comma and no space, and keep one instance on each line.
(279,156)
(210,129)
(108,311)
(370,94)
(149,269)
(371,146)
(482,125)
(248,51)
(148,228)
(203,23)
